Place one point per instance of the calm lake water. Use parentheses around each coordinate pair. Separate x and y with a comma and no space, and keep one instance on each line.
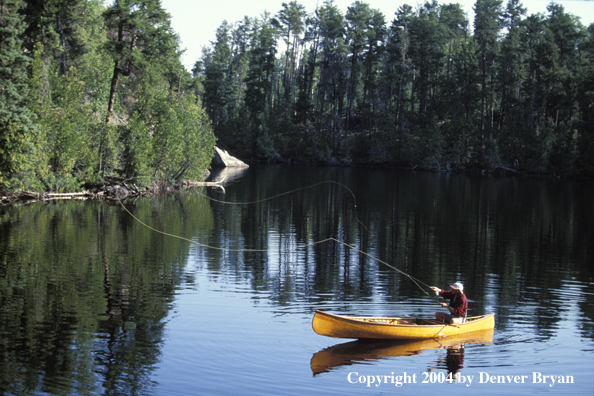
(92,301)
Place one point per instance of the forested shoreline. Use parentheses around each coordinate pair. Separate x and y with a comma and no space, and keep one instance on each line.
(89,90)
(423,88)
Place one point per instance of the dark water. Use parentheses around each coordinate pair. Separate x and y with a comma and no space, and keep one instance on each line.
(94,302)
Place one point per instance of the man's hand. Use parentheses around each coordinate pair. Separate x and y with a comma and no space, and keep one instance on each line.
(435,289)
(444,305)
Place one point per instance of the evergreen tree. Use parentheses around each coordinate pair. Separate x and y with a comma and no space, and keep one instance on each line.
(169,139)
(512,74)
(487,24)
(372,60)
(358,18)
(426,52)
(332,86)
(140,34)
(17,128)
(585,97)
(239,65)
(52,133)
(143,48)
(399,72)
(463,139)
(260,80)
(57,25)
(562,105)
(434,90)
(511,65)
(217,82)
(292,23)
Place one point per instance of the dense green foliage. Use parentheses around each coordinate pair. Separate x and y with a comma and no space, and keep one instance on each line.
(16,120)
(88,90)
(514,92)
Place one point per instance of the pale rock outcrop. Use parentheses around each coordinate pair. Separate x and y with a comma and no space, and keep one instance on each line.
(222,159)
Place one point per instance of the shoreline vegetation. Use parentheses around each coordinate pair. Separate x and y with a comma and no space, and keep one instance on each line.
(93,91)
(422,88)
(121,191)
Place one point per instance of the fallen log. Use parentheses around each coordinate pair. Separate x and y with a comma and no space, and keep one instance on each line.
(120,191)
(201,184)
(66,195)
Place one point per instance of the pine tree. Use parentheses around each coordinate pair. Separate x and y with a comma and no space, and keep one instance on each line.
(332,86)
(375,48)
(487,25)
(585,96)
(426,51)
(291,18)
(217,83)
(358,18)
(17,129)
(140,34)
(262,65)
(511,69)
(56,24)
(399,71)
(143,48)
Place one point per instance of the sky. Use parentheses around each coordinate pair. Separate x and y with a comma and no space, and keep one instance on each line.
(197,21)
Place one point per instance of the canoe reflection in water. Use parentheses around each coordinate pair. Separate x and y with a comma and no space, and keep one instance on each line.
(363,351)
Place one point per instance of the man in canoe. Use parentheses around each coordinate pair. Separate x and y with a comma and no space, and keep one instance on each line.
(458,304)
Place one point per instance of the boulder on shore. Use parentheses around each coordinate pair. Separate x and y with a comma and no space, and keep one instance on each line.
(222,159)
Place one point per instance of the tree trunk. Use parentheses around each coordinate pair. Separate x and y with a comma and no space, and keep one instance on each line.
(112,90)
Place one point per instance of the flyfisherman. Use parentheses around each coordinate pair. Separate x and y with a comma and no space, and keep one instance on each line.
(458,304)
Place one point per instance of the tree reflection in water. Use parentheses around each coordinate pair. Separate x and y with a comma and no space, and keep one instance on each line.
(85,289)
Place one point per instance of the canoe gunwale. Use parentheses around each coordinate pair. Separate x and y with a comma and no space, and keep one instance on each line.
(371,320)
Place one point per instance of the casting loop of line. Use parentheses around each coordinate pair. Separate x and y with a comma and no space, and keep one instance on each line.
(416,281)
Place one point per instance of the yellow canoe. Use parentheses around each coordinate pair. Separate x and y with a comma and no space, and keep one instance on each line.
(337,326)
